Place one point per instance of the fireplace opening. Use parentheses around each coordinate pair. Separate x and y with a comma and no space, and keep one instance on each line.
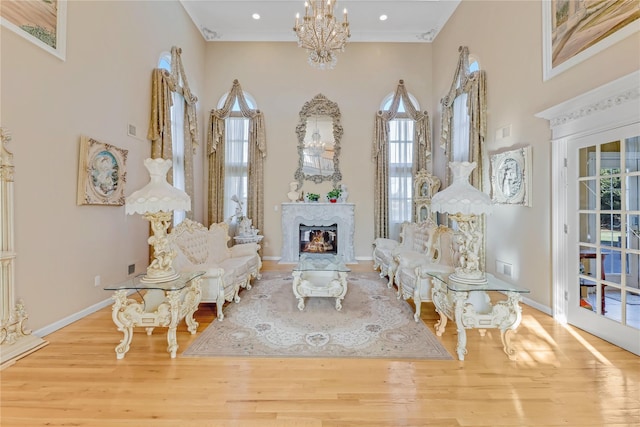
(316,239)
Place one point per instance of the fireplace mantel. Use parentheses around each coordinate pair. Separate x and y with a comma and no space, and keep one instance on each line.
(317,214)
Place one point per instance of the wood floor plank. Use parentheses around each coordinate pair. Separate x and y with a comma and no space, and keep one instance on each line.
(563,377)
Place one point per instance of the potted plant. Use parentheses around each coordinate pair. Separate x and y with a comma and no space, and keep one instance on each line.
(313,197)
(333,195)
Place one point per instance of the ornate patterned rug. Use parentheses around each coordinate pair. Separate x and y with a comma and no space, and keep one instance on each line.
(267,323)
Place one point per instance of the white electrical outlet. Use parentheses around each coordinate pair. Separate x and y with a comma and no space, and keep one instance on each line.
(96,281)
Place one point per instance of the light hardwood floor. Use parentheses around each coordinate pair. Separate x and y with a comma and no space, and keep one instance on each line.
(563,377)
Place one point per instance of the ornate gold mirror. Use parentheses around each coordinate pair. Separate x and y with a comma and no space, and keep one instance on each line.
(319,133)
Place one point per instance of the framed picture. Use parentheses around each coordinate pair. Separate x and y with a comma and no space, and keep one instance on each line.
(102,173)
(573,31)
(42,22)
(511,177)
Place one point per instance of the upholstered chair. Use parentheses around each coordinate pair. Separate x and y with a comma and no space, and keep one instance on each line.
(412,276)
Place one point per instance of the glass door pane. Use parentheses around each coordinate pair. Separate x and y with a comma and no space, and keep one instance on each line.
(608,235)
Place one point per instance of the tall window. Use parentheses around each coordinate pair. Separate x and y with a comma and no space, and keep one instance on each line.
(236,167)
(401,136)
(177,137)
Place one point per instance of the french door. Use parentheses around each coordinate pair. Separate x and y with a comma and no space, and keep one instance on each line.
(603,235)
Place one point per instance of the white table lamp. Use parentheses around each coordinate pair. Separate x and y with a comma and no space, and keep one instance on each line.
(464,203)
(155,202)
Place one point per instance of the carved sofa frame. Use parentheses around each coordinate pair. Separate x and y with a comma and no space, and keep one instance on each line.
(228,269)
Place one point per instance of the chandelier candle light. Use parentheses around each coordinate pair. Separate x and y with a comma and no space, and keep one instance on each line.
(320,34)
(155,202)
(464,203)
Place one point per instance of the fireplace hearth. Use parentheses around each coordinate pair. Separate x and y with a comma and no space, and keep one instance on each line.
(331,223)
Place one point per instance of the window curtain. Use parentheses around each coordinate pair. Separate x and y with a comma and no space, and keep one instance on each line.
(216,157)
(421,154)
(474,86)
(163,84)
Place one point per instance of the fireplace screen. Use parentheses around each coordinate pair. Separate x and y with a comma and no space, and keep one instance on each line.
(319,239)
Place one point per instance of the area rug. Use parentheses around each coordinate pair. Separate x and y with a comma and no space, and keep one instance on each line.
(373,323)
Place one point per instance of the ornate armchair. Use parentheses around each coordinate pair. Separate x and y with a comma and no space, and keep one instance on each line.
(412,276)
(414,238)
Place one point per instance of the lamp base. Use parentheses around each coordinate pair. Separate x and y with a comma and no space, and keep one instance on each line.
(160,269)
(155,278)
(476,279)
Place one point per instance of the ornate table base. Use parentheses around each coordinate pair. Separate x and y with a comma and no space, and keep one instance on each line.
(456,305)
(331,284)
(159,307)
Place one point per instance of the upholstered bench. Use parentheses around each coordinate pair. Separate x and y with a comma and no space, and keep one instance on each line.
(228,269)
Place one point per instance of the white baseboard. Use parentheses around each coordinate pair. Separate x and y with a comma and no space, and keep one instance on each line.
(42,332)
(538,306)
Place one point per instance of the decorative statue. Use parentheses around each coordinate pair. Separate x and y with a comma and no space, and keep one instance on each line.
(344,194)
(293,194)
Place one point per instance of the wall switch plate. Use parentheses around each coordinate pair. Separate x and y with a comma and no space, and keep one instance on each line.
(504,268)
(131,130)
(96,281)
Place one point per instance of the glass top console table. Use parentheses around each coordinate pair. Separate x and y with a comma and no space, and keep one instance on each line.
(321,275)
(470,307)
(163,304)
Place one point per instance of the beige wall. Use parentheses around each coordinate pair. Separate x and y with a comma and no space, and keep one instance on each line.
(507,39)
(103,85)
(281,81)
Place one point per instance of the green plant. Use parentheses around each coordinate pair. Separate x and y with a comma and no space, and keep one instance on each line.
(313,197)
(334,194)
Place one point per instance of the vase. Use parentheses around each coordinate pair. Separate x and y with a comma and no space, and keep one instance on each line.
(333,200)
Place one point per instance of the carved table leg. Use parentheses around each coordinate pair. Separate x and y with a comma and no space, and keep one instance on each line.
(174,315)
(459,303)
(512,320)
(441,324)
(297,281)
(125,312)
(191,302)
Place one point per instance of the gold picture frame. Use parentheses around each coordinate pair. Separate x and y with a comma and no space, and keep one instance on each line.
(43,23)
(102,173)
(511,177)
(573,31)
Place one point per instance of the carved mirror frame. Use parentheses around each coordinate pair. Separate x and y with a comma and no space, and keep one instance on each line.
(319,106)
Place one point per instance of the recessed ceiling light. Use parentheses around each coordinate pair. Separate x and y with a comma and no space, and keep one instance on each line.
(256,16)
(383,17)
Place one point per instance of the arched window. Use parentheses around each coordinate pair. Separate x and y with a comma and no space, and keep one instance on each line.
(177,137)
(401,141)
(402,147)
(236,154)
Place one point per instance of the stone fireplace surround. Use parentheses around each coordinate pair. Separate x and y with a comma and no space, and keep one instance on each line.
(317,214)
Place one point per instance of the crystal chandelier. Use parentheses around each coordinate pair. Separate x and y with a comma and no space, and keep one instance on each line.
(316,147)
(321,34)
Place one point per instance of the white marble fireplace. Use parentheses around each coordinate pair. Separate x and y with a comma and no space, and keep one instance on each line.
(317,214)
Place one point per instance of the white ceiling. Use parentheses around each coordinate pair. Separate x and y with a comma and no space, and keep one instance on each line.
(408,21)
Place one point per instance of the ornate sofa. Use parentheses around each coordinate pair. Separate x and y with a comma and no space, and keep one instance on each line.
(414,238)
(228,269)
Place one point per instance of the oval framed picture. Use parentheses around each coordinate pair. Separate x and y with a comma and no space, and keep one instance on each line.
(511,177)
(101,174)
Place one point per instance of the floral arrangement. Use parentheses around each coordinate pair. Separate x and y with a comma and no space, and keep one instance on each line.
(313,197)
(334,194)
